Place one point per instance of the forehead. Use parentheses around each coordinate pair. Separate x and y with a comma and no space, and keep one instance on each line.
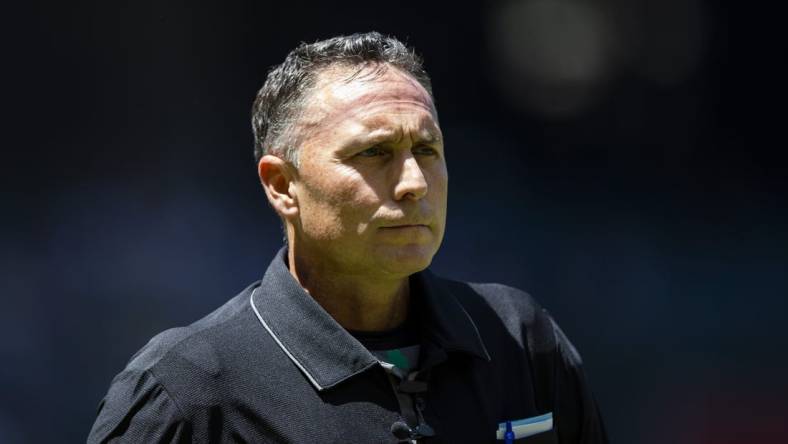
(363,96)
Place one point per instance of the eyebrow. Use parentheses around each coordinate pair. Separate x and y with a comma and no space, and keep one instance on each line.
(425,135)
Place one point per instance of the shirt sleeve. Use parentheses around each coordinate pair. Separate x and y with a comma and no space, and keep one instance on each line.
(137,408)
(578,417)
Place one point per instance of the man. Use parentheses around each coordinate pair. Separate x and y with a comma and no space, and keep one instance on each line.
(348,337)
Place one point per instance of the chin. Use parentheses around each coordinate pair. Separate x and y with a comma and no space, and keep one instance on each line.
(406,259)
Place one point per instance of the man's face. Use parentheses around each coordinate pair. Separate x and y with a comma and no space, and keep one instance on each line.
(372,182)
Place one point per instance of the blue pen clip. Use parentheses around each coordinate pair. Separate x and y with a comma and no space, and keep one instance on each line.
(508,436)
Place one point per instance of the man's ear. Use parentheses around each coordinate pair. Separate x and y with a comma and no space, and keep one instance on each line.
(277,178)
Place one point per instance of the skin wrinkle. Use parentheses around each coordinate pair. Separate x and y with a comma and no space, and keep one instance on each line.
(368,135)
(341,248)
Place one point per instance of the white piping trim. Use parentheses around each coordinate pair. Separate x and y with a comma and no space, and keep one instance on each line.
(282,346)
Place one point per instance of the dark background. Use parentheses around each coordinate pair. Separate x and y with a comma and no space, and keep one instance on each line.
(623,161)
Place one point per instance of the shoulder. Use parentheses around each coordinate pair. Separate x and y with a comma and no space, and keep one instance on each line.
(197,343)
(502,311)
(177,358)
(508,301)
(498,304)
(152,396)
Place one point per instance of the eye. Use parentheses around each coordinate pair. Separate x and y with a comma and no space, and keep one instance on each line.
(425,150)
(374,151)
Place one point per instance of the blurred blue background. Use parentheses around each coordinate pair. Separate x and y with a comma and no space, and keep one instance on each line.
(622,161)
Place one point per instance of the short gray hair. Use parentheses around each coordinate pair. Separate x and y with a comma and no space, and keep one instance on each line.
(279,102)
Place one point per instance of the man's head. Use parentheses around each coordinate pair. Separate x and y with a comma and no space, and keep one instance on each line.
(287,86)
(351,156)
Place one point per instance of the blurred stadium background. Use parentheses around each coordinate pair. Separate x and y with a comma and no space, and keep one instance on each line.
(620,160)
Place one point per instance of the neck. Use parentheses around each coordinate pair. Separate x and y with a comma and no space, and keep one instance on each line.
(356,302)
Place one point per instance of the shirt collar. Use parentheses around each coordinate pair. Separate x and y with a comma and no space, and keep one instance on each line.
(324,351)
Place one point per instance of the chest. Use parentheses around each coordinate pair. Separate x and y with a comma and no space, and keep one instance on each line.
(464,403)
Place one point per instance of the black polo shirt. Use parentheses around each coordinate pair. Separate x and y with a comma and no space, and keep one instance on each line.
(271,365)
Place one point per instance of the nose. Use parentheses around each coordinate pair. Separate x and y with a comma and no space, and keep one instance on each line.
(411,183)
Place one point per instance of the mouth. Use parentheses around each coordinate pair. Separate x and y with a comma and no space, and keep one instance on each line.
(410,234)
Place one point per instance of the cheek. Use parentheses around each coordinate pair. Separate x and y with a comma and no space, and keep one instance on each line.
(335,203)
(439,184)
(438,199)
